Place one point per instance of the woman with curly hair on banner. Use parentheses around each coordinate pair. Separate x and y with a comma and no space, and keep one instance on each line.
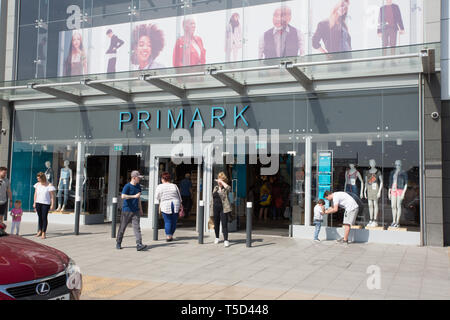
(333,32)
(147,42)
(76,61)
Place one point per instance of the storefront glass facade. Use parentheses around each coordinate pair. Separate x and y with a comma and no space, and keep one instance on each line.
(373,131)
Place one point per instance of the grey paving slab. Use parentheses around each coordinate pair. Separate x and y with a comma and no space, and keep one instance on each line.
(284,267)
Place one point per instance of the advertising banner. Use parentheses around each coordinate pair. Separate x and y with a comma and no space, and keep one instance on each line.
(280,29)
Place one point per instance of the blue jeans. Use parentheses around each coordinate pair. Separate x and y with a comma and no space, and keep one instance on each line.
(65,188)
(318,224)
(170,223)
(352,188)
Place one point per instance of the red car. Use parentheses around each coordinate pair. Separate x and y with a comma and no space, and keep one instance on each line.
(32,271)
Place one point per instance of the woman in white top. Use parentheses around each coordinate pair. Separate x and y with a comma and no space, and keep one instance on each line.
(169,199)
(44,200)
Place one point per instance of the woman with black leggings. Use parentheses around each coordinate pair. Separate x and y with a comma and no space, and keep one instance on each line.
(44,201)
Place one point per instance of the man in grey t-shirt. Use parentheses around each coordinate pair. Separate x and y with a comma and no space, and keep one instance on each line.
(5,193)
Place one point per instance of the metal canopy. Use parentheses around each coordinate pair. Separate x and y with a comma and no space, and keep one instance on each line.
(122,95)
(231,79)
(57,93)
(236,86)
(300,76)
(165,86)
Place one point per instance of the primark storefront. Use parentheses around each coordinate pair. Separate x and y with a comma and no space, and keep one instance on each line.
(298,96)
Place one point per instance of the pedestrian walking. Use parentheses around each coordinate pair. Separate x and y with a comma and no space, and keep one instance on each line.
(5,193)
(170,200)
(221,207)
(345,201)
(44,200)
(16,214)
(131,210)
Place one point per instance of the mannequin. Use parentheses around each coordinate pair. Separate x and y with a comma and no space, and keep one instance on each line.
(350,180)
(65,184)
(372,191)
(398,184)
(49,171)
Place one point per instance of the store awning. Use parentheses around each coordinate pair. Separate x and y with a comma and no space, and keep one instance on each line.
(234,79)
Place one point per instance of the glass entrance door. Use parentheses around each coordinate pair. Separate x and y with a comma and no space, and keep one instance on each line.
(95,184)
(161,161)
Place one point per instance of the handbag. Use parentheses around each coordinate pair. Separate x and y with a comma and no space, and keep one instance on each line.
(181,212)
(287,213)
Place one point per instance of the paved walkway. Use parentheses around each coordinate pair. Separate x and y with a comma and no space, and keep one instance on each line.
(274,268)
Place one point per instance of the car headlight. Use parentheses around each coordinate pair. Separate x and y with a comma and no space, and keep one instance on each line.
(73,273)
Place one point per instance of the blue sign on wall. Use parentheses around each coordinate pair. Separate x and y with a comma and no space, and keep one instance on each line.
(324,173)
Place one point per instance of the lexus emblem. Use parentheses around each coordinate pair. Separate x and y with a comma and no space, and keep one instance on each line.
(43,288)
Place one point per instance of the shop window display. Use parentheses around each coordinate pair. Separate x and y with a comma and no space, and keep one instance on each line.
(57,162)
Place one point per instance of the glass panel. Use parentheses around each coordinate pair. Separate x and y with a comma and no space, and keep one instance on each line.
(96,181)
(28,48)
(349,127)
(401,159)
(108,7)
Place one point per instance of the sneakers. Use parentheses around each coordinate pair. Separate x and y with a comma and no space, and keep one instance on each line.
(141,247)
(316,240)
(226,244)
(118,246)
(370,224)
(374,224)
(216,241)
(342,241)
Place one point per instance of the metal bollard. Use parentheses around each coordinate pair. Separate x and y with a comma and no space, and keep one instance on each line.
(249,223)
(201,221)
(155,221)
(113,217)
(77,215)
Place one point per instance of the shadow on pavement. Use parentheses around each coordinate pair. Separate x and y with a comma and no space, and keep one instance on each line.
(244,241)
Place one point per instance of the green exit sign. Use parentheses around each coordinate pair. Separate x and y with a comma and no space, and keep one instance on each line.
(118,147)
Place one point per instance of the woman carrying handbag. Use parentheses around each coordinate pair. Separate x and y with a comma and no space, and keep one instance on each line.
(169,199)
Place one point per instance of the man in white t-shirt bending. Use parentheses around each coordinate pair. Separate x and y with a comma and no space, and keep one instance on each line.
(345,201)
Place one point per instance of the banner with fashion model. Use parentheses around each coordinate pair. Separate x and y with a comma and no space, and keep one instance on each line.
(279,29)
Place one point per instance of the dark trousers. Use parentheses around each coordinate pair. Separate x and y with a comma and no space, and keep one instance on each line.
(187,205)
(4,211)
(389,37)
(125,219)
(220,216)
(112,65)
(42,211)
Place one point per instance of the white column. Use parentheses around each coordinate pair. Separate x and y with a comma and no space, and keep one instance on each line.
(113,180)
(308,180)
(80,173)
